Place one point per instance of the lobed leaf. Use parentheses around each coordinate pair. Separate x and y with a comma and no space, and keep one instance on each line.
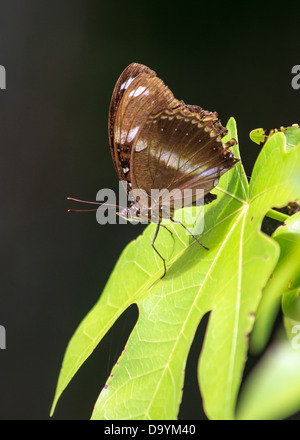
(227,281)
(272,391)
(285,276)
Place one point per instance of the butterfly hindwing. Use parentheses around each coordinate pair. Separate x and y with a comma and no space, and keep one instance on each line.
(180,149)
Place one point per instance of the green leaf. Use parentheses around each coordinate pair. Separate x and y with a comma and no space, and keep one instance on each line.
(263,326)
(227,280)
(292,329)
(285,276)
(291,311)
(291,133)
(272,391)
(258,135)
(257,256)
(291,304)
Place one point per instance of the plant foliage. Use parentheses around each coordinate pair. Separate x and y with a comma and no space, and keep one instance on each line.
(227,282)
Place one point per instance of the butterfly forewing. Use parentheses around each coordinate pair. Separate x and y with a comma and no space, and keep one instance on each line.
(138,93)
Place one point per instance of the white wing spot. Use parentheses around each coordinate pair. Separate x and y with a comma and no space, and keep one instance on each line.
(123,136)
(132,133)
(126,83)
(140,145)
(139,91)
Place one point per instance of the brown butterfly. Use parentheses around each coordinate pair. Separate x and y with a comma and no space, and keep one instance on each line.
(159,142)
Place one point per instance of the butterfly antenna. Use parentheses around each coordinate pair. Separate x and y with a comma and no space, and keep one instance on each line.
(108,205)
(82,210)
(178,222)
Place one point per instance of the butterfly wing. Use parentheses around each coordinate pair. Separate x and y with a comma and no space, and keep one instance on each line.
(158,142)
(180,149)
(137,94)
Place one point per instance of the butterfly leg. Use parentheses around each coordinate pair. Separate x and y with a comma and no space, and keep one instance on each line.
(164,226)
(153,241)
(177,221)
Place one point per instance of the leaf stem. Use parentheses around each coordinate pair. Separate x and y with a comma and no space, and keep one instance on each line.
(276,215)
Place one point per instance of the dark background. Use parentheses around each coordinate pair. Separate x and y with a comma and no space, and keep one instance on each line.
(62,60)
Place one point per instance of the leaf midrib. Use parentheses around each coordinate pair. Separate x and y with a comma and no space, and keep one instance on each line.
(236,320)
(184,324)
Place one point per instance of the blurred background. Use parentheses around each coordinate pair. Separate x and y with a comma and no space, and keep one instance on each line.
(62,59)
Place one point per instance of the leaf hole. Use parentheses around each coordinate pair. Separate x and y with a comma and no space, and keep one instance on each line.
(191,405)
(78,399)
